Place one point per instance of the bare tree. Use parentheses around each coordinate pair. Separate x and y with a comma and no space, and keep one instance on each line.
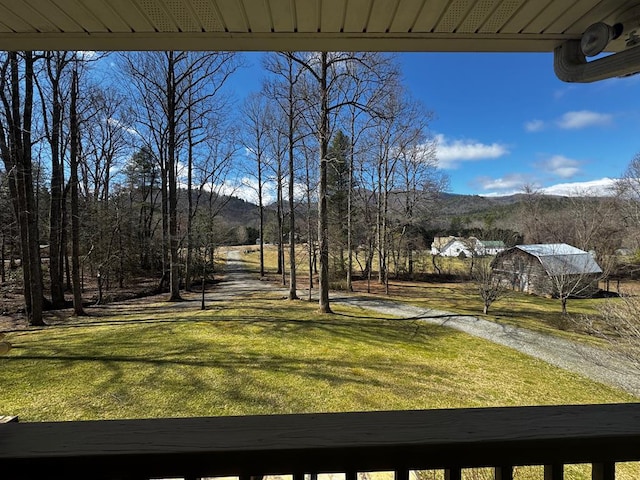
(328,92)
(73,179)
(53,86)
(619,325)
(285,92)
(16,95)
(254,139)
(577,279)
(491,287)
(627,191)
(166,84)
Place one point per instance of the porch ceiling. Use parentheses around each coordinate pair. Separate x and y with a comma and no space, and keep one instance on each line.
(385,25)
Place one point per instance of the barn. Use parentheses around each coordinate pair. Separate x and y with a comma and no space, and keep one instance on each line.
(549,270)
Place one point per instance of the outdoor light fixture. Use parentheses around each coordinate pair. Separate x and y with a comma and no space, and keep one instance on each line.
(596,38)
(622,38)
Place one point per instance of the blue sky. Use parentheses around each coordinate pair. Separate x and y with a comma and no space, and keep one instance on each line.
(505,120)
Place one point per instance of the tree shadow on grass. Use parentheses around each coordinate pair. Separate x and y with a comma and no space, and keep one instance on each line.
(248,377)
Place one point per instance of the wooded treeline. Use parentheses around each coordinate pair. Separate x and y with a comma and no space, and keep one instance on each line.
(119,165)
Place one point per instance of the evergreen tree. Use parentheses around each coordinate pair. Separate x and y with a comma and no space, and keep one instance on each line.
(338,193)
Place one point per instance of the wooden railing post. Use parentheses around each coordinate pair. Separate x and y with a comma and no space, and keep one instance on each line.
(603,471)
(503,473)
(402,474)
(554,472)
(453,474)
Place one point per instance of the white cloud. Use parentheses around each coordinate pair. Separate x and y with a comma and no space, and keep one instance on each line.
(118,124)
(86,54)
(600,187)
(561,166)
(247,189)
(512,181)
(534,126)
(583,119)
(451,153)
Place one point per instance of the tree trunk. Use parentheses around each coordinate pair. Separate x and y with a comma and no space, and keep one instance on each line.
(3,275)
(75,214)
(174,274)
(280,214)
(56,252)
(261,210)
(323,214)
(189,262)
(293,294)
(16,155)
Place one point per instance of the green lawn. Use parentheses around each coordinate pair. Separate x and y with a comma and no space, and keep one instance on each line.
(266,356)
(518,309)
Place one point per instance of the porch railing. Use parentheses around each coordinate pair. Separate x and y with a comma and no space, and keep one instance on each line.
(398,441)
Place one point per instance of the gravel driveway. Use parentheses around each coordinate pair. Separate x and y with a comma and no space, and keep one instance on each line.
(584,360)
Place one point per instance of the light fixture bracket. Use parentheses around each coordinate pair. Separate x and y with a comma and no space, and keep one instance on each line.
(571,65)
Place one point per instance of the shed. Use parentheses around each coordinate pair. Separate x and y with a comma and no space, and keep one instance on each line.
(549,269)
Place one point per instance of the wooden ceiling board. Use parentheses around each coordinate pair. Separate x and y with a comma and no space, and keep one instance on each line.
(501,16)
(111,20)
(477,16)
(357,16)
(453,16)
(23,10)
(523,16)
(406,15)
(546,17)
(85,18)
(130,13)
(233,17)
(430,15)
(308,15)
(332,15)
(382,13)
(55,15)
(282,15)
(155,11)
(258,15)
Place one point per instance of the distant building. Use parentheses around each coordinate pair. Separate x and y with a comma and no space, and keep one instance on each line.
(456,246)
(541,268)
(490,247)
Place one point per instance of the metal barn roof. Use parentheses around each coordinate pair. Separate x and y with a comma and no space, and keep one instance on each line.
(562,259)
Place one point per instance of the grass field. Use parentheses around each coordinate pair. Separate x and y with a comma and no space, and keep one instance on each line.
(519,309)
(267,355)
(261,358)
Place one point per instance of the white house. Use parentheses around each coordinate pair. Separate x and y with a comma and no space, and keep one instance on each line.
(471,246)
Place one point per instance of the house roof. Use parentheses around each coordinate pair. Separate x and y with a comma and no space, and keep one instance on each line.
(562,259)
(492,243)
(383,25)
